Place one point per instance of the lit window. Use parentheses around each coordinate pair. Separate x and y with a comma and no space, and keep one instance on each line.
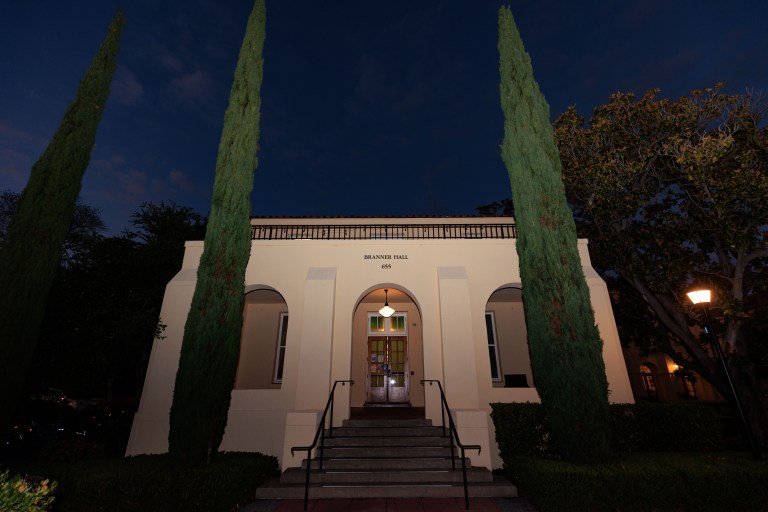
(396,325)
(649,382)
(376,323)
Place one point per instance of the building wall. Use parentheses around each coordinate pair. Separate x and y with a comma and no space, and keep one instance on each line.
(323,282)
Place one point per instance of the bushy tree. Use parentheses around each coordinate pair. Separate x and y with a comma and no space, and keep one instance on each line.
(103,309)
(84,231)
(35,235)
(673,193)
(211,344)
(565,346)
(503,208)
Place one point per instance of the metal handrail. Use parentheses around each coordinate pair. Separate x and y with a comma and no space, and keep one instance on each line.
(455,437)
(320,434)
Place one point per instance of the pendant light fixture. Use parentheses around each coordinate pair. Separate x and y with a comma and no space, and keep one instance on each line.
(386,311)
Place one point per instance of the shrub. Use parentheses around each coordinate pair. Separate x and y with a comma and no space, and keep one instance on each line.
(645,481)
(521,428)
(20,494)
(158,482)
(678,427)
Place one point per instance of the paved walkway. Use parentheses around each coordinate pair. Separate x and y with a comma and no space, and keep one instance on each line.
(393,505)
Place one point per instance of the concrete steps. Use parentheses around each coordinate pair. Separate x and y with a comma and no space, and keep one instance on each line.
(399,458)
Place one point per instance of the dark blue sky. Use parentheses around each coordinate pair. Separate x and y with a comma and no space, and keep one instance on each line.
(369,107)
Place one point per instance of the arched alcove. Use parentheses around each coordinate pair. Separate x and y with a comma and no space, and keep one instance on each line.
(507,338)
(263,340)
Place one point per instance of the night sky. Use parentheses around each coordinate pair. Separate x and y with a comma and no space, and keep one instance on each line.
(368,107)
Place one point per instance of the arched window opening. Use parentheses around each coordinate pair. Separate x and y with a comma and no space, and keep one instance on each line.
(649,382)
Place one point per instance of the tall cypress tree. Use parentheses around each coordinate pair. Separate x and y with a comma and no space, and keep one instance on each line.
(40,224)
(211,344)
(565,346)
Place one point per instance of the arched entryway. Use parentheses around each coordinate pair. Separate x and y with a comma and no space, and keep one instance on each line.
(387,353)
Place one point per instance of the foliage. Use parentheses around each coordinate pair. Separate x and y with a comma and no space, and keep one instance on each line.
(85,348)
(673,193)
(503,208)
(158,482)
(722,482)
(84,231)
(211,343)
(521,428)
(565,346)
(35,235)
(19,494)
(160,231)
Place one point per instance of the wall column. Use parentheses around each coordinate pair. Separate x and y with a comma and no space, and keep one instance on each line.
(459,368)
(314,372)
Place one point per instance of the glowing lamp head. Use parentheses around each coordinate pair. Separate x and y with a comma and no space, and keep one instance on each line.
(700,296)
(386,311)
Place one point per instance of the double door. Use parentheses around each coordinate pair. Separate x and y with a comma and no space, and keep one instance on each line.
(387,373)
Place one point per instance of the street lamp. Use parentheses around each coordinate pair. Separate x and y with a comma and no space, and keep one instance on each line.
(702,298)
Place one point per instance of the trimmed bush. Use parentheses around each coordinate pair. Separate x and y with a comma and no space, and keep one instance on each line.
(678,427)
(644,482)
(521,428)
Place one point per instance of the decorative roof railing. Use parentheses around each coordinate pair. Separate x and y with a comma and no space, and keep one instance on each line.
(380,231)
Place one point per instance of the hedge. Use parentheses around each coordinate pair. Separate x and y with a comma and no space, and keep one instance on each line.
(641,482)
(521,428)
(664,460)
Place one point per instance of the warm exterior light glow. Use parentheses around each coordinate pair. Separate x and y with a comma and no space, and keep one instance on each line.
(699,296)
(386,311)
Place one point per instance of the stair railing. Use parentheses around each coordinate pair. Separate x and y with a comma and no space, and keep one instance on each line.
(454,434)
(319,435)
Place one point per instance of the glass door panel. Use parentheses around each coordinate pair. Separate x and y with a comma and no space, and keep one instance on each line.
(387,369)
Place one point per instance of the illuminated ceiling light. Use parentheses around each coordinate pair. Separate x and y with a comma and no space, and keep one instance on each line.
(386,311)
(700,296)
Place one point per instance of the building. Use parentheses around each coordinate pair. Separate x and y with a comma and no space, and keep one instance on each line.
(655,377)
(314,288)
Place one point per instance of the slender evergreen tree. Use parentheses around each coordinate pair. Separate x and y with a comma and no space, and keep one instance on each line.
(211,344)
(33,243)
(565,346)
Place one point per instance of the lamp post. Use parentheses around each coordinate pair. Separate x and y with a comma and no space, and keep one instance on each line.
(703,297)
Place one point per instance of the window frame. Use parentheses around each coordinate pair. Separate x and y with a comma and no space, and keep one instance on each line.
(649,381)
(387,324)
(492,333)
(282,335)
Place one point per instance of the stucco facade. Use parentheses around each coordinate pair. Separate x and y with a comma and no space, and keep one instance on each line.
(313,289)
